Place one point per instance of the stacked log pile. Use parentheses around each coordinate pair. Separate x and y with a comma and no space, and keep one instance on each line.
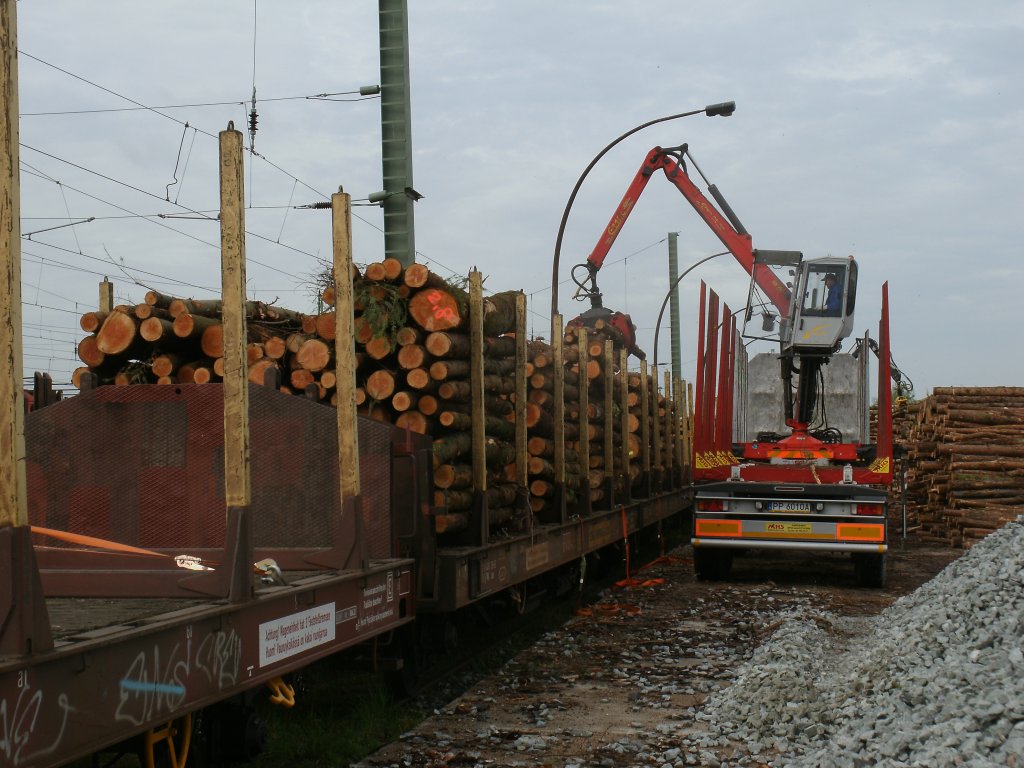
(965,463)
(905,414)
(412,343)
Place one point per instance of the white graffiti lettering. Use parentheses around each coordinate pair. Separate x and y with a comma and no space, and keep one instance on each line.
(21,733)
(219,657)
(151,688)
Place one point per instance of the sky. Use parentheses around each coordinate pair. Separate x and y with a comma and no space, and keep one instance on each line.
(887,131)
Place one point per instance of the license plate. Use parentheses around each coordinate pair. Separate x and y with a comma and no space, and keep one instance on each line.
(789,506)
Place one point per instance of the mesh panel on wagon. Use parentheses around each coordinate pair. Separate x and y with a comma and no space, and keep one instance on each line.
(144,465)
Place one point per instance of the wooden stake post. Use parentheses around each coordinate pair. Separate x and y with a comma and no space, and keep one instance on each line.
(348,432)
(584,450)
(624,423)
(237,467)
(350,488)
(13,505)
(238,472)
(522,457)
(656,473)
(481,524)
(609,425)
(558,360)
(670,442)
(24,622)
(679,405)
(645,430)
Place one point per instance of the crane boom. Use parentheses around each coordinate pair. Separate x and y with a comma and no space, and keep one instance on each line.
(738,243)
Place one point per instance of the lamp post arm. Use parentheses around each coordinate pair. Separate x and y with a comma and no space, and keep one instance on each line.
(664,303)
(723,109)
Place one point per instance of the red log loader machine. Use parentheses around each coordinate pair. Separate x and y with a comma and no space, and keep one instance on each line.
(810,489)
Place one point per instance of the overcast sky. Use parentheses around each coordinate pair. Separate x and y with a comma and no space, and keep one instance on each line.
(886,130)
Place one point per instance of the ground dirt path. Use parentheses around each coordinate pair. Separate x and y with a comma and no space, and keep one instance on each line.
(619,684)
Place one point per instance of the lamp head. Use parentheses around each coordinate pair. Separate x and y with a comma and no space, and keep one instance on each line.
(724,109)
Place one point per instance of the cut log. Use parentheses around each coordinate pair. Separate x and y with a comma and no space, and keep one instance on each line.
(418,378)
(145,311)
(500,346)
(412,356)
(78,374)
(453,476)
(314,355)
(414,421)
(393,268)
(117,334)
(258,370)
(459,391)
(407,335)
(202,374)
(379,347)
(293,342)
(437,309)
(427,405)
(91,322)
(157,299)
(165,365)
(324,325)
(500,313)
(189,326)
(451,446)
(156,329)
(444,344)
(300,378)
(253,352)
(375,272)
(419,276)
(212,341)
(404,400)
(380,385)
(275,347)
(363,330)
(442,370)
(455,420)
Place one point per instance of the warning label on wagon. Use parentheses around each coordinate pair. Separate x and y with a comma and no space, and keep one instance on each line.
(289,635)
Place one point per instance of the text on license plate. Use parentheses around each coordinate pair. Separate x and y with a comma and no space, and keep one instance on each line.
(789,506)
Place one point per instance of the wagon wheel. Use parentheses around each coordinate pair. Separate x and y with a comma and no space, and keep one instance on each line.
(167,746)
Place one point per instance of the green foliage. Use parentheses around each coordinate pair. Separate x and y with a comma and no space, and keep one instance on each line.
(385,310)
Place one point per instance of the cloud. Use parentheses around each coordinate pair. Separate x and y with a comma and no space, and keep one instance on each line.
(870,59)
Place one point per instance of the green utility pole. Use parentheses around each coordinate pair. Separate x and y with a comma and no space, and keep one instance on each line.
(673,280)
(396,132)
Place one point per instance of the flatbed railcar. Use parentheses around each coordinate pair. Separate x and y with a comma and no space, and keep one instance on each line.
(126,635)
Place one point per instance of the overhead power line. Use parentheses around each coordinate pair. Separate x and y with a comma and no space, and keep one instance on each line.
(236,102)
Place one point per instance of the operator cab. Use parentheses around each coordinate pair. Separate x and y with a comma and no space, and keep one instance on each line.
(823,304)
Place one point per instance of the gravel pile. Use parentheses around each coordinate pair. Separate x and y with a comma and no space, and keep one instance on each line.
(937,679)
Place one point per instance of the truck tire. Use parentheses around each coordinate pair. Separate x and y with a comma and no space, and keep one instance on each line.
(870,570)
(712,564)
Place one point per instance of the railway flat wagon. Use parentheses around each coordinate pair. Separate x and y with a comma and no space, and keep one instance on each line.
(144,602)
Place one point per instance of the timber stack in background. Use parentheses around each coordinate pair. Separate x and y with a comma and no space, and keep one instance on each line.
(964,462)
(412,341)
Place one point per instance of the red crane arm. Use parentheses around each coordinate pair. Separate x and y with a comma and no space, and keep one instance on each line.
(738,244)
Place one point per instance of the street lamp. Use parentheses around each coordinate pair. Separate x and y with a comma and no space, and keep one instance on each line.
(723,109)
